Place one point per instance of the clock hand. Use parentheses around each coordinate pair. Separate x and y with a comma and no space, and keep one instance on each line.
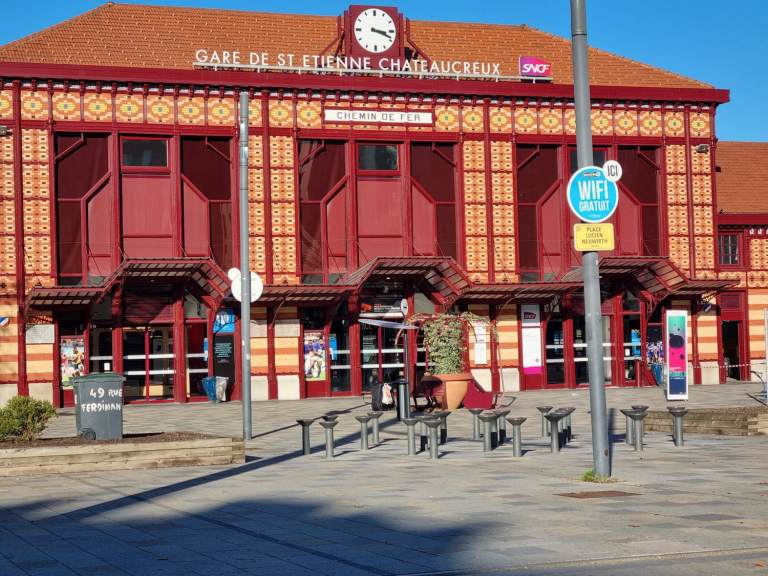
(381,32)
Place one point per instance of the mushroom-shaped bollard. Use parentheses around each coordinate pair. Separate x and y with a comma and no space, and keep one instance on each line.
(544,423)
(363,431)
(554,418)
(630,436)
(567,423)
(487,418)
(560,426)
(641,407)
(503,413)
(330,417)
(328,425)
(476,422)
(433,425)
(410,424)
(517,440)
(444,425)
(638,416)
(375,419)
(305,424)
(677,423)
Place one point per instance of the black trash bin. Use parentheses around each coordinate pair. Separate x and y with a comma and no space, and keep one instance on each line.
(99,406)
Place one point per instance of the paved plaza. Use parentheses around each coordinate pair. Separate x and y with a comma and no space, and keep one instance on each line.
(697,509)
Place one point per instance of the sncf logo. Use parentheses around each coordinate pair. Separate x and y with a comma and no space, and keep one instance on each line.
(529,315)
(530,66)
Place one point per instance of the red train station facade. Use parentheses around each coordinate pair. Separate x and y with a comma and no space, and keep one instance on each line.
(390,164)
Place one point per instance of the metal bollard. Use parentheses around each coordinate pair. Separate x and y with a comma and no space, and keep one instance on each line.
(410,424)
(638,417)
(328,425)
(545,425)
(424,439)
(329,418)
(433,425)
(568,425)
(494,429)
(503,425)
(476,422)
(487,419)
(305,424)
(444,425)
(560,427)
(363,431)
(375,419)
(630,435)
(677,423)
(640,407)
(554,418)
(517,440)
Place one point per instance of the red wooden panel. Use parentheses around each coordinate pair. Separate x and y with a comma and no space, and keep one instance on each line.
(538,175)
(196,235)
(70,238)
(221,234)
(144,308)
(370,248)
(147,205)
(80,170)
(380,206)
(628,239)
(99,232)
(205,167)
(551,233)
(446,230)
(336,221)
(148,247)
(423,224)
(432,171)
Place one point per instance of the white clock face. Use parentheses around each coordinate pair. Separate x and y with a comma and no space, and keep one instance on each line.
(375,31)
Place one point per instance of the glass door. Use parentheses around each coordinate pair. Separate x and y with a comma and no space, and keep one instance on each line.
(148,363)
(382,355)
(631,334)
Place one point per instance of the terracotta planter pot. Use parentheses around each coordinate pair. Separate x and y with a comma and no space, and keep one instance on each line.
(455,389)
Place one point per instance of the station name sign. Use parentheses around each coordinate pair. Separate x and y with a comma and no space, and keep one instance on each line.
(236,58)
(377,116)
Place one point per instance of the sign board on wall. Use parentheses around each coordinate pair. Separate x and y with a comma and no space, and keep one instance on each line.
(531,338)
(593,237)
(481,343)
(677,354)
(41,334)
(376,116)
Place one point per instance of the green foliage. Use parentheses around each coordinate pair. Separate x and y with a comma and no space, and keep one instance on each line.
(590,476)
(444,336)
(25,418)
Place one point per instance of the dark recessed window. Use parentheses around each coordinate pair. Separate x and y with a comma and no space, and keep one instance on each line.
(728,249)
(377,157)
(149,153)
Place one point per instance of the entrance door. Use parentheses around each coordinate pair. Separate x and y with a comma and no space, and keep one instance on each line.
(148,364)
(381,355)
(732,349)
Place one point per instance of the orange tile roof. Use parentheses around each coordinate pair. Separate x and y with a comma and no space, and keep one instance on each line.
(742,177)
(136,36)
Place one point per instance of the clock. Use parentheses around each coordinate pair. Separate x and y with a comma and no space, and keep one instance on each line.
(375,33)
(375,30)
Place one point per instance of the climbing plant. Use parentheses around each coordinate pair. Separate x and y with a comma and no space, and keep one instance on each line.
(444,338)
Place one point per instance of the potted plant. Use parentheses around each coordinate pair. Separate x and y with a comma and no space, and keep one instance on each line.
(445,337)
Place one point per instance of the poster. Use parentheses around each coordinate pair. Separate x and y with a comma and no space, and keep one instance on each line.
(314,355)
(677,340)
(71,358)
(381,308)
(481,343)
(531,336)
(224,322)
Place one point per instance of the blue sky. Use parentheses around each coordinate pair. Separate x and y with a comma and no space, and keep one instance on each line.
(721,43)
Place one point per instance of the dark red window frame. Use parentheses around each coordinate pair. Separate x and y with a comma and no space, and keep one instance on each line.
(735,240)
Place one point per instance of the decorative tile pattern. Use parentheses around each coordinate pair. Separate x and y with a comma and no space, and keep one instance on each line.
(503,220)
(474,187)
(679,252)
(160,109)
(38,255)
(677,220)
(7,216)
(477,253)
(472,118)
(281,151)
(701,162)
(254,112)
(309,115)
(602,123)
(740,276)
(525,121)
(221,111)
(702,189)
(502,188)
(447,119)
(475,220)
(97,107)
(650,123)
(676,159)
(191,110)
(6,105)
(255,184)
(758,253)
(501,156)
(676,189)
(705,254)
(474,155)
(8,255)
(570,121)
(504,259)
(550,121)
(282,186)
(256,221)
(255,151)
(281,113)
(702,220)
(500,120)
(37,217)
(674,124)
(625,123)
(129,108)
(34,106)
(283,219)
(66,106)
(258,253)
(700,127)
(284,259)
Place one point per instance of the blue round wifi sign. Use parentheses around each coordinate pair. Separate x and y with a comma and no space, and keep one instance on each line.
(591,195)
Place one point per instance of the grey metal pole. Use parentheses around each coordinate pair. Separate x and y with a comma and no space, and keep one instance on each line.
(593,321)
(245,271)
